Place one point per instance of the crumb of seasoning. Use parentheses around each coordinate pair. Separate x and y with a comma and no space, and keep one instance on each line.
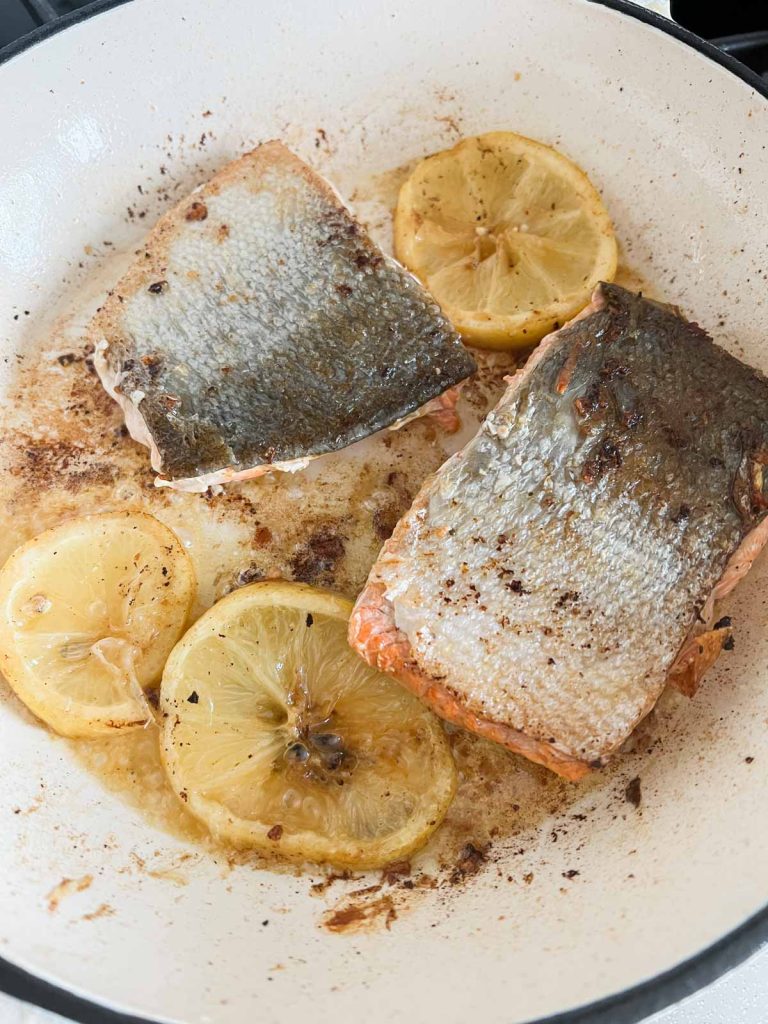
(275,833)
(570,873)
(193,698)
(196,211)
(729,643)
(469,862)
(310,619)
(749,760)
(157,287)
(633,793)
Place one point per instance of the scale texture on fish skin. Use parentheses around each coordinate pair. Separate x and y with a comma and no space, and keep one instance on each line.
(261,325)
(543,582)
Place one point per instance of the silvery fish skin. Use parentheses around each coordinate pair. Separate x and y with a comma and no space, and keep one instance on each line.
(543,584)
(262,327)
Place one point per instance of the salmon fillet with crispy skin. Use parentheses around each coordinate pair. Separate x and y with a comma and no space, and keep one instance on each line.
(554,575)
(260,327)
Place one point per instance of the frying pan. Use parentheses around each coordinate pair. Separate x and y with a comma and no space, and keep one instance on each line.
(667,894)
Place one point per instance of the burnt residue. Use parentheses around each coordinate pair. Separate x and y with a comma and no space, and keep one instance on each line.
(607,456)
(633,793)
(314,561)
(469,861)
(47,462)
(330,879)
(394,873)
(356,915)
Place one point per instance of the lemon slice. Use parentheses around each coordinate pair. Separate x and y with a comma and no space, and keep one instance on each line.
(279,737)
(508,235)
(89,612)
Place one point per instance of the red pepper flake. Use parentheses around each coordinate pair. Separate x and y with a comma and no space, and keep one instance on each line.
(275,833)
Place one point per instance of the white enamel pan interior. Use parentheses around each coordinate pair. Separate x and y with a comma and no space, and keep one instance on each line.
(677,143)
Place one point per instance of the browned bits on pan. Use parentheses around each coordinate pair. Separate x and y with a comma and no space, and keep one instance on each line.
(316,560)
(197,211)
(633,793)
(158,287)
(393,873)
(385,520)
(469,862)
(249,575)
(262,535)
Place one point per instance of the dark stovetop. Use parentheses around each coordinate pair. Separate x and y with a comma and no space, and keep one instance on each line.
(739,26)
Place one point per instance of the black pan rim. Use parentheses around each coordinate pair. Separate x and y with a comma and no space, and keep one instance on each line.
(633,1004)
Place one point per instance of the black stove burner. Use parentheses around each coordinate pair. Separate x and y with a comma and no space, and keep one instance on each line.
(740,27)
(18,17)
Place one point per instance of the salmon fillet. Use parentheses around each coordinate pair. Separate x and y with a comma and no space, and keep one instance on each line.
(551,575)
(261,327)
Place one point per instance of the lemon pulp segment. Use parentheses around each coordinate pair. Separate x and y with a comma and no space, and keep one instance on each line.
(509,236)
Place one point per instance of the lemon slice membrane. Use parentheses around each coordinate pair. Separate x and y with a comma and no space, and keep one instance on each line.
(89,612)
(279,737)
(508,235)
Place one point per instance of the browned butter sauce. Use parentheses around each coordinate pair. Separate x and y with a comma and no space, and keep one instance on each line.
(64,452)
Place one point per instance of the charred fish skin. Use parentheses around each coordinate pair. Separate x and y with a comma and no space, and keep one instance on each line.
(546,577)
(262,326)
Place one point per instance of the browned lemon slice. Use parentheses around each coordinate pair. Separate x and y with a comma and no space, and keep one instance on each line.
(279,737)
(509,235)
(89,612)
